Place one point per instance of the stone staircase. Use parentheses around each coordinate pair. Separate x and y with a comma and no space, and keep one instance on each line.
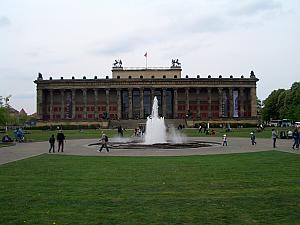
(127,124)
(131,124)
(175,122)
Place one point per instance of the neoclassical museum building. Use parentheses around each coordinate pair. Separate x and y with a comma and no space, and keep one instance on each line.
(129,92)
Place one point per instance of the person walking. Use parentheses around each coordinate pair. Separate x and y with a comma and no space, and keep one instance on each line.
(200,129)
(51,142)
(224,140)
(104,141)
(296,139)
(120,131)
(274,137)
(252,137)
(61,139)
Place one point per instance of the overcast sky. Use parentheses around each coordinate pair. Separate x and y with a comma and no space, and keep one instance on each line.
(217,37)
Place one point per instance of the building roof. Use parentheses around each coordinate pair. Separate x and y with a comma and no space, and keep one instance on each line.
(22,112)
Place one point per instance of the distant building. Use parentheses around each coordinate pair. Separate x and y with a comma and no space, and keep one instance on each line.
(22,112)
(130,92)
(12,111)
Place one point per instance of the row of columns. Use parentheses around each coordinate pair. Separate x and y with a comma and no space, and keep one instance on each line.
(73,91)
(130,114)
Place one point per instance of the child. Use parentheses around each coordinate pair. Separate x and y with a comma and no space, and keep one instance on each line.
(52,141)
(104,141)
(224,140)
(252,137)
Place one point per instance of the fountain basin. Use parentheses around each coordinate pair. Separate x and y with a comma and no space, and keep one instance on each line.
(138,144)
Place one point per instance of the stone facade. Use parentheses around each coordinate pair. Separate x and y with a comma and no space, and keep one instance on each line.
(128,96)
(162,72)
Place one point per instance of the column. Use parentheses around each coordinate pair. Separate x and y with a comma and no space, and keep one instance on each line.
(39,101)
(253,102)
(209,102)
(130,103)
(198,103)
(242,106)
(73,104)
(175,104)
(152,96)
(187,101)
(96,103)
(51,104)
(84,92)
(220,92)
(164,102)
(107,102)
(141,103)
(230,102)
(62,112)
(119,102)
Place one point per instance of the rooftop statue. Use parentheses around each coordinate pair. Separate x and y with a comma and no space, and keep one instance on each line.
(117,63)
(175,63)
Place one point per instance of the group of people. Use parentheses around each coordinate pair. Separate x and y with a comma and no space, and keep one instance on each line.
(295,135)
(19,136)
(104,139)
(61,138)
(139,131)
(252,138)
(205,130)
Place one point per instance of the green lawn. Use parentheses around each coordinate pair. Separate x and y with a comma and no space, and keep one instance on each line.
(44,135)
(251,188)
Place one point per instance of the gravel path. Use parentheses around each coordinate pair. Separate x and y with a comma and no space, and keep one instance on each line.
(80,147)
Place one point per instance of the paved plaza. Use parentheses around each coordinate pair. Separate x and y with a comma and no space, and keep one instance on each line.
(80,147)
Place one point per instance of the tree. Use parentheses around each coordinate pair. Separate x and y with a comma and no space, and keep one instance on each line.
(258,106)
(271,107)
(293,102)
(283,104)
(4,116)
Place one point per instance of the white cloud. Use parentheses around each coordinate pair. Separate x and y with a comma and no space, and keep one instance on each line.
(4,21)
(208,36)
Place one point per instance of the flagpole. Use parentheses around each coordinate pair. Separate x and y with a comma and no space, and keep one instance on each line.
(146,55)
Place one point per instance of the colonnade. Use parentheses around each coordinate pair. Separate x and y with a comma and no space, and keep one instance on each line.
(49,95)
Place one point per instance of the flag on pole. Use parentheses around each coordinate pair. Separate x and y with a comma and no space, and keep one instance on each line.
(146,59)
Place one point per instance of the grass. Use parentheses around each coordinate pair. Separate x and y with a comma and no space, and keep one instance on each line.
(251,188)
(44,135)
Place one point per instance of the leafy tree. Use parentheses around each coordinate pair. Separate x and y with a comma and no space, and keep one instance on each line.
(293,102)
(258,106)
(283,104)
(4,116)
(271,107)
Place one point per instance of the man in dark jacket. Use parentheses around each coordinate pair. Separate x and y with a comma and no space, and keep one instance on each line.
(296,139)
(60,138)
(52,141)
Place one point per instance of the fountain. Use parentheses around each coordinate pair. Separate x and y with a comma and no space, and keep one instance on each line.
(155,127)
(157,136)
